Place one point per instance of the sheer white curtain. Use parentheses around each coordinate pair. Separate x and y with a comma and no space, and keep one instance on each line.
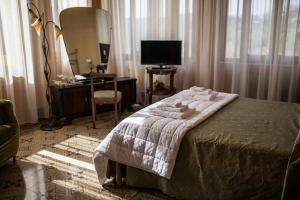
(17,80)
(262,57)
(243,46)
(21,61)
(198,23)
(138,20)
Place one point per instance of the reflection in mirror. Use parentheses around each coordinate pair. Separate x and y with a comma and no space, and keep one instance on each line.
(86,33)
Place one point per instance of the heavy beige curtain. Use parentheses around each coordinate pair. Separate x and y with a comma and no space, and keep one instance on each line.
(249,47)
(21,61)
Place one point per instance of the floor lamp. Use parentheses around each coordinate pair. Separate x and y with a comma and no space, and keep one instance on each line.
(40,25)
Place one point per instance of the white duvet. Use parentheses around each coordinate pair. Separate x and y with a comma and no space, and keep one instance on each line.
(150,142)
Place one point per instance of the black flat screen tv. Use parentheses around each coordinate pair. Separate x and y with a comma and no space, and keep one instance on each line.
(161,52)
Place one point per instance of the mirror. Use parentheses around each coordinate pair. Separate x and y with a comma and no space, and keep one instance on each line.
(86,32)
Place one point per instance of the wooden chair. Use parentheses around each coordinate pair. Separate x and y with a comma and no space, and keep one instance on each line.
(105,96)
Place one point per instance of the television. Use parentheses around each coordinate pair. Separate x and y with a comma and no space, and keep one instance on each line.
(161,52)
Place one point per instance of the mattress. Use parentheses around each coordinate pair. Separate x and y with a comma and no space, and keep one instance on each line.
(241,152)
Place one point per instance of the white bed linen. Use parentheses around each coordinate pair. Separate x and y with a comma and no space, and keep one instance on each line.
(151,143)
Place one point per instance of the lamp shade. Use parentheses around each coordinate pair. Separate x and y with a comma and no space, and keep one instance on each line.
(58,31)
(37,25)
(32,15)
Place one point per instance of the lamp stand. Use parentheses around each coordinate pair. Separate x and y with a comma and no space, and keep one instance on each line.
(41,26)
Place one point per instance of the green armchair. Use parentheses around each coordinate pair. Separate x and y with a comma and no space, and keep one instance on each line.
(9,132)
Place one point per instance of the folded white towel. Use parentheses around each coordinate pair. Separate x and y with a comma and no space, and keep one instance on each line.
(174,115)
(176,103)
(166,107)
(207,97)
(204,92)
(197,89)
(188,101)
(195,104)
(201,107)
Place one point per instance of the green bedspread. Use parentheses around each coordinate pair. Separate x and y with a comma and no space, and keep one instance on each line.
(241,152)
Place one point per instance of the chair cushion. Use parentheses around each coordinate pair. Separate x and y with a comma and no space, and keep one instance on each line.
(107,94)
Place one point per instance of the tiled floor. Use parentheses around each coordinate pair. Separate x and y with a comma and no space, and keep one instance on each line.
(58,165)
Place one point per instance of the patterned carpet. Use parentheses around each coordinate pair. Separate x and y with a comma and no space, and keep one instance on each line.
(58,165)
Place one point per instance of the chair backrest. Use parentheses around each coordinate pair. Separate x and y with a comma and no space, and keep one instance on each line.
(101,75)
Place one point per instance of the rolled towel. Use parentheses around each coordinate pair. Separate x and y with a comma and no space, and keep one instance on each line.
(165,107)
(213,95)
(197,89)
(174,115)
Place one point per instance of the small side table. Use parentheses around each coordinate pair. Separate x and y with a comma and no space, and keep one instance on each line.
(161,71)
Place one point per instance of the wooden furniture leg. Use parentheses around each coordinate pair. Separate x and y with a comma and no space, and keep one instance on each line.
(172,83)
(14,159)
(118,174)
(116,113)
(94,114)
(150,87)
(120,110)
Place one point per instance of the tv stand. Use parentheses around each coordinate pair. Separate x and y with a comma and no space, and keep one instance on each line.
(171,71)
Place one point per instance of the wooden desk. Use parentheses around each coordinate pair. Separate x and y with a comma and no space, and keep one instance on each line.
(75,100)
(170,90)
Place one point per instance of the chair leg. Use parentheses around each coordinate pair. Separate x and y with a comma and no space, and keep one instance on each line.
(116,113)
(120,110)
(94,115)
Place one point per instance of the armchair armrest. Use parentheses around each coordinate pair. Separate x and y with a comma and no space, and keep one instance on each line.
(7,115)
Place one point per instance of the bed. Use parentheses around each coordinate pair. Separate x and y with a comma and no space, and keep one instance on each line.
(243,151)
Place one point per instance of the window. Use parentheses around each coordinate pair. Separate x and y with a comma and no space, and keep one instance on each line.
(258,27)
(15,46)
(234,28)
(153,20)
(291,12)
